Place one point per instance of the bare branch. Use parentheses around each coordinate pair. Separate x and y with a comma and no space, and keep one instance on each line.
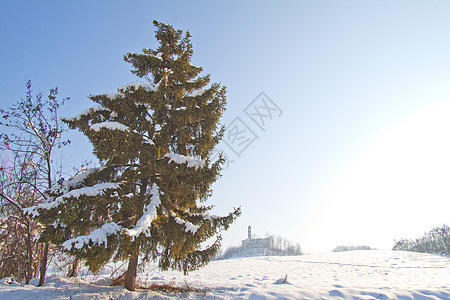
(7,198)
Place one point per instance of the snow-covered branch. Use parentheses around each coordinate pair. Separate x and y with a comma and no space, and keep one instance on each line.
(90,191)
(188,226)
(150,214)
(197,93)
(135,85)
(98,236)
(109,125)
(65,185)
(85,112)
(192,162)
(207,216)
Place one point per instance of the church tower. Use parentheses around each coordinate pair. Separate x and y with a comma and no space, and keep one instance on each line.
(249,232)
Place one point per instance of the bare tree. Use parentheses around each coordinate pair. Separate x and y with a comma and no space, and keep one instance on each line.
(18,251)
(32,132)
(437,240)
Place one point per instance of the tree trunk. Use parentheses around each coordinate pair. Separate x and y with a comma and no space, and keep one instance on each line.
(37,261)
(43,265)
(19,257)
(73,270)
(19,271)
(130,279)
(43,268)
(29,254)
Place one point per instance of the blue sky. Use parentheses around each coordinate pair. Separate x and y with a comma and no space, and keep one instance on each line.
(360,152)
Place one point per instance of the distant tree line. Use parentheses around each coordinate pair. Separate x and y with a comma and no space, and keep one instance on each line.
(437,240)
(351,248)
(280,247)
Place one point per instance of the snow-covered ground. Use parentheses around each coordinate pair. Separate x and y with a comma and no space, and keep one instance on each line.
(345,275)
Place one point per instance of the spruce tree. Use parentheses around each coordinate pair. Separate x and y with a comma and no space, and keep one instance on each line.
(154,140)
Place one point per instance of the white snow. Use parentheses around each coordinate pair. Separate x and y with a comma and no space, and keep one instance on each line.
(109,125)
(67,184)
(156,86)
(188,226)
(112,96)
(98,236)
(206,216)
(210,217)
(158,56)
(192,162)
(85,112)
(197,93)
(150,214)
(136,85)
(148,141)
(124,87)
(95,190)
(377,274)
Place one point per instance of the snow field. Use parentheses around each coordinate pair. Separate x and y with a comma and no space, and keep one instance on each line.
(368,274)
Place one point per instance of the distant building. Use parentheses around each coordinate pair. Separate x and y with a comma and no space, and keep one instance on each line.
(260,243)
(258,247)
